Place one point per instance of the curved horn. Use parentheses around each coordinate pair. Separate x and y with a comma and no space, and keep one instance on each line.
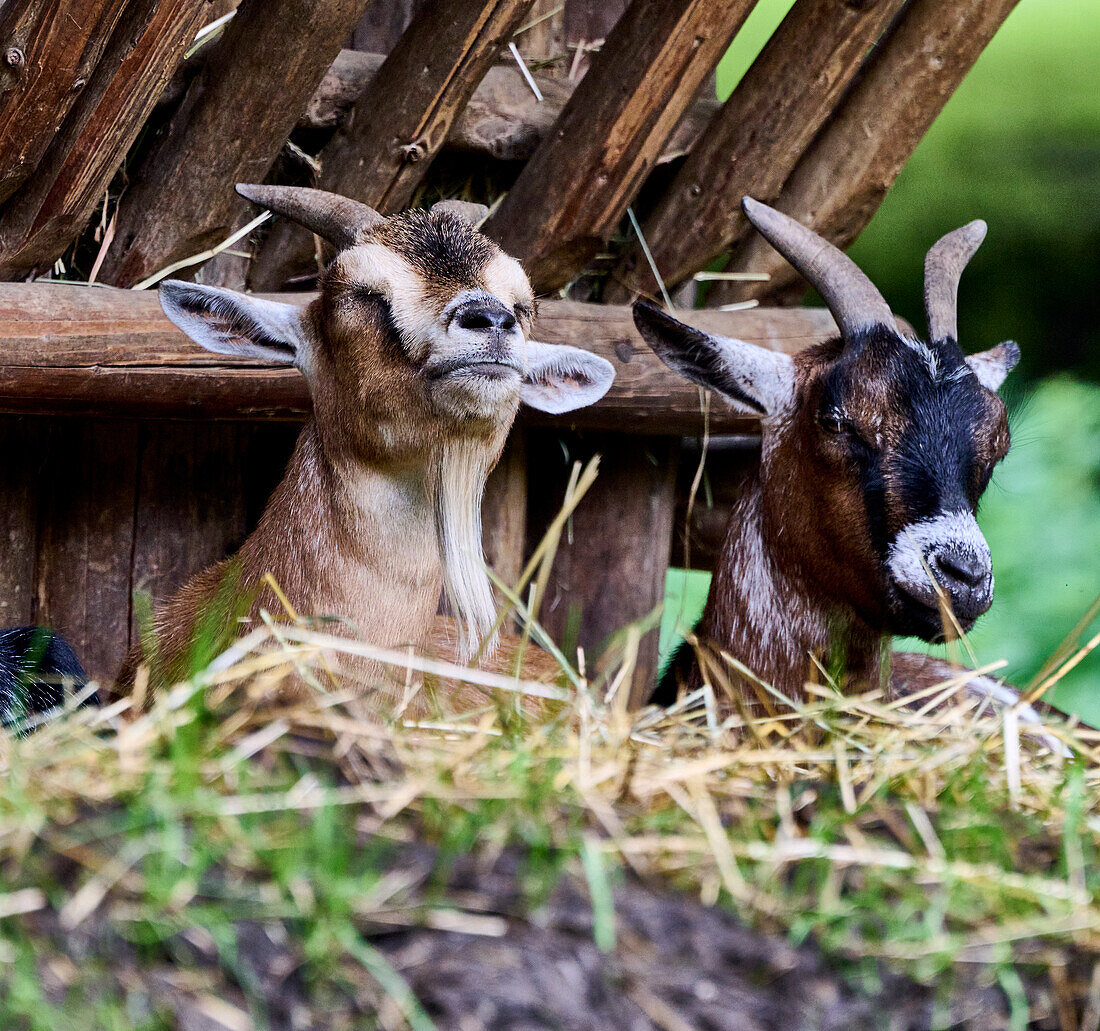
(339,220)
(853,299)
(943,266)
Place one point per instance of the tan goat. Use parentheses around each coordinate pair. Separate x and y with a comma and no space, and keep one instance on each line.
(417,355)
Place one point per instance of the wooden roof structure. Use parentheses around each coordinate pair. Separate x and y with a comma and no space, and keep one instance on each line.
(122,134)
(820,125)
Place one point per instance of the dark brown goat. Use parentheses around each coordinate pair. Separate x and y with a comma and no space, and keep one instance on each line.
(859,521)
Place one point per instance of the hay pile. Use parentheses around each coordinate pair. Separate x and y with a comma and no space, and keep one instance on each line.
(294,864)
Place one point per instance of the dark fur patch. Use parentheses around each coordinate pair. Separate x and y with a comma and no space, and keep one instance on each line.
(689,352)
(442,247)
(919,429)
(34,664)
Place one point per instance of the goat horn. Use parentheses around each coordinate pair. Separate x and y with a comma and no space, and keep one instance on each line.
(853,299)
(943,266)
(339,220)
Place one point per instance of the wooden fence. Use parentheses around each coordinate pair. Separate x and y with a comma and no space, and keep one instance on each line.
(130,459)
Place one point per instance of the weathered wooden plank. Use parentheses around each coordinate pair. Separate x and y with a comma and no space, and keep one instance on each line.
(21,444)
(755,140)
(503,119)
(698,536)
(610,567)
(43,217)
(86,534)
(48,49)
(400,122)
(382,24)
(504,511)
(71,509)
(191,509)
(229,127)
(842,179)
(81,350)
(610,133)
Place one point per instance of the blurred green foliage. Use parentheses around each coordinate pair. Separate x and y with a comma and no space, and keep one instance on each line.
(1018,145)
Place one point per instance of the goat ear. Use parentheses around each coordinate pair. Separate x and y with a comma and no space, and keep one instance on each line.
(227,322)
(992,366)
(560,378)
(751,377)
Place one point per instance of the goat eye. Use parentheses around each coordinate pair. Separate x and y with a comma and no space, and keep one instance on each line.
(832,423)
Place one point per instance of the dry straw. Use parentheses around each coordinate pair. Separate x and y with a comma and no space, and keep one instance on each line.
(715,804)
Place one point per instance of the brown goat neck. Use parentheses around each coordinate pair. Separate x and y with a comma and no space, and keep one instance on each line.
(762,612)
(337,537)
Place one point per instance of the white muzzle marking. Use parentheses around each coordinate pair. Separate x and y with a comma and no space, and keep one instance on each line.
(909,555)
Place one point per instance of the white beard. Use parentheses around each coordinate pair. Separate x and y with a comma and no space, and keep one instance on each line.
(464,467)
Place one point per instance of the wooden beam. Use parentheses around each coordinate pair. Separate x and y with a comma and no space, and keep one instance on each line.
(755,140)
(697,541)
(400,122)
(85,350)
(503,120)
(46,214)
(839,183)
(47,49)
(229,127)
(572,193)
(86,537)
(20,485)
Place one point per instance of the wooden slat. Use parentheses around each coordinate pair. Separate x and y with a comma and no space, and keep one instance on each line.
(191,508)
(504,511)
(86,536)
(91,507)
(728,461)
(574,190)
(842,179)
(47,48)
(43,217)
(21,443)
(610,567)
(84,350)
(400,122)
(755,140)
(503,120)
(228,128)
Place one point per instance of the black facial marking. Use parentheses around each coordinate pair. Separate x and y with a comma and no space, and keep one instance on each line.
(912,419)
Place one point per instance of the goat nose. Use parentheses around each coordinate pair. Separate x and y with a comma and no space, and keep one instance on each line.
(485,315)
(963,567)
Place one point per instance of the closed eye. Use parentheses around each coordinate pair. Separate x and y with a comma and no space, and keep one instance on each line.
(365,294)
